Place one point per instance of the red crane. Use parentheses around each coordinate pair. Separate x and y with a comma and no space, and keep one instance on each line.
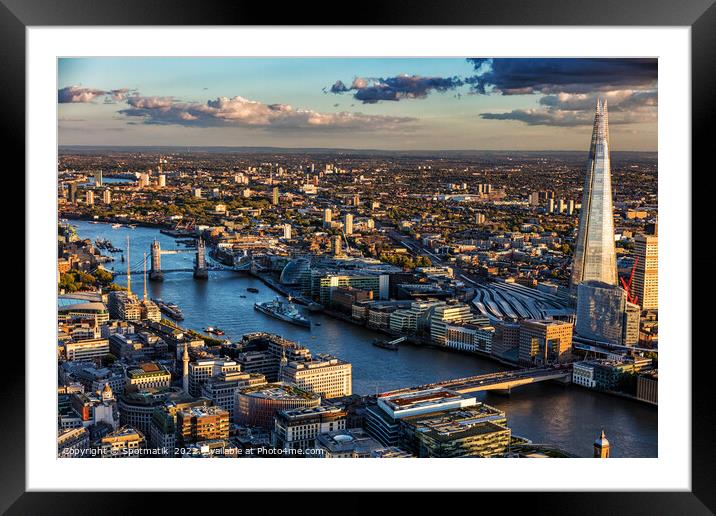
(627,285)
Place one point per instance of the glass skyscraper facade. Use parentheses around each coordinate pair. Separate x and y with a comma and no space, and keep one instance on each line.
(594,255)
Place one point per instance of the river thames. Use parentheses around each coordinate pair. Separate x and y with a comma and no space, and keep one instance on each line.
(567,417)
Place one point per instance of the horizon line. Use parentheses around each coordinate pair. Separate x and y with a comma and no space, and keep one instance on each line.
(267,147)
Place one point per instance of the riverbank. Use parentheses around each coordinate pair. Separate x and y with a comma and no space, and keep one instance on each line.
(546,412)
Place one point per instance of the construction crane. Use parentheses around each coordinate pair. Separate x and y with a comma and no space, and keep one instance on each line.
(627,284)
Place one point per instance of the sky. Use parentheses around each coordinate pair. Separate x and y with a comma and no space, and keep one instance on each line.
(356,103)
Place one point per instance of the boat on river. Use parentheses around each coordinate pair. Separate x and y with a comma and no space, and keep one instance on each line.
(284,311)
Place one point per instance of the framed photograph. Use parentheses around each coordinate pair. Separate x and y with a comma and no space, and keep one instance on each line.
(429,236)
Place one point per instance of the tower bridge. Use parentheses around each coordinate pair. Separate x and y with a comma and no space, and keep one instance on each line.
(200,268)
(156,273)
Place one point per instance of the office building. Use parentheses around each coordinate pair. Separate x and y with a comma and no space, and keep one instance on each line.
(594,255)
(200,423)
(98,178)
(148,375)
(605,315)
(442,315)
(86,350)
(353,443)
(382,419)
(205,368)
(297,429)
(257,406)
(544,342)
(647,386)
(274,196)
(264,353)
(323,283)
(474,431)
(287,231)
(123,442)
(124,305)
(323,374)
(161,180)
(327,216)
(72,442)
(222,389)
(645,285)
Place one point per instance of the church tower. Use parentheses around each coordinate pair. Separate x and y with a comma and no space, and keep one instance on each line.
(185,369)
(601,447)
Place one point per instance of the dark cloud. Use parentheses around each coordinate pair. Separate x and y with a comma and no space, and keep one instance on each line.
(241,112)
(519,76)
(570,87)
(371,90)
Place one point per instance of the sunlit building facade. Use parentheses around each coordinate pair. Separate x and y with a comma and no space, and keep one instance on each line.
(594,255)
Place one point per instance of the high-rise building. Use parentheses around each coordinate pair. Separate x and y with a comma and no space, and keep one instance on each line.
(605,315)
(98,178)
(143,179)
(89,197)
(594,255)
(161,180)
(646,276)
(337,248)
(274,196)
(287,231)
(72,192)
(327,216)
(348,224)
(107,196)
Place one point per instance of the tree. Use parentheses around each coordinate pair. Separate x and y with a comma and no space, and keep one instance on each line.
(108,360)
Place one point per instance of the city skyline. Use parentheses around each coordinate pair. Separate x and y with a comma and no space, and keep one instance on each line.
(355,103)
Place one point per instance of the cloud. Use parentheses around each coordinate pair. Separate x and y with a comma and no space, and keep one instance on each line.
(569,88)
(81,95)
(519,76)
(240,112)
(370,90)
(77,94)
(575,109)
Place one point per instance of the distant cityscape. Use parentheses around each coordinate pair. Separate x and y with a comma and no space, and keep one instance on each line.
(318,303)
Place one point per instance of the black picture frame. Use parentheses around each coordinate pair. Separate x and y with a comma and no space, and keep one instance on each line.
(700,15)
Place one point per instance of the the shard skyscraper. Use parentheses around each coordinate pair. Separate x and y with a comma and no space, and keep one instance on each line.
(594,254)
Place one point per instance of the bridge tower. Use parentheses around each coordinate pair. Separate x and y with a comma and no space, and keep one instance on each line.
(200,270)
(155,273)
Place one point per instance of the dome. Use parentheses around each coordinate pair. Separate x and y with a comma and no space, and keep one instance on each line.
(292,272)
